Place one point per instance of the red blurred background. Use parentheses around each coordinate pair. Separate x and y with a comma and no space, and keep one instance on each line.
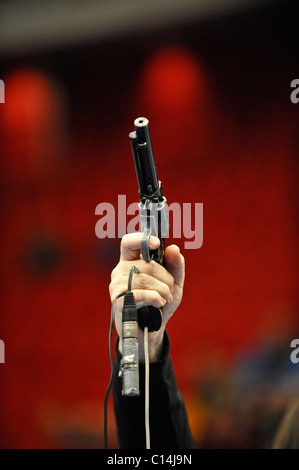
(224,132)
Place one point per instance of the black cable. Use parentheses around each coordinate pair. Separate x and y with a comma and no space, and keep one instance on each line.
(132,271)
(112,322)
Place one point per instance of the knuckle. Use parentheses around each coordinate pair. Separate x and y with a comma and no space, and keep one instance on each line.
(159,301)
(139,296)
(111,288)
(124,241)
(125,238)
(116,271)
(151,268)
(168,290)
(141,280)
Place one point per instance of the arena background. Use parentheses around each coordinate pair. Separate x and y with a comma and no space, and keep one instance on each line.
(215,86)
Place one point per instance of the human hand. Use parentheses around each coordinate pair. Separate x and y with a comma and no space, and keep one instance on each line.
(155,285)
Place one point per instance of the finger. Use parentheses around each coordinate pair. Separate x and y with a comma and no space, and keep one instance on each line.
(130,246)
(144,297)
(151,268)
(145,281)
(142,280)
(175,264)
(148,297)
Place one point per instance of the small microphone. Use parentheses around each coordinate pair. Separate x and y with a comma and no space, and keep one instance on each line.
(130,357)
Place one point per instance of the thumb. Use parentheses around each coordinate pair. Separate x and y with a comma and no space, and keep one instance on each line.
(130,246)
(175,264)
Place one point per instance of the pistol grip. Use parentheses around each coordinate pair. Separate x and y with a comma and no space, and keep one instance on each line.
(148,315)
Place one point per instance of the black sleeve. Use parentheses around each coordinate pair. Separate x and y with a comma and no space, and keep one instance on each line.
(169,427)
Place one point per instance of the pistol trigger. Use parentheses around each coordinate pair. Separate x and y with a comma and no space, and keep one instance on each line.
(144,244)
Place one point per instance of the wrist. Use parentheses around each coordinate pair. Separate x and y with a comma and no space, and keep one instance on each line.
(155,346)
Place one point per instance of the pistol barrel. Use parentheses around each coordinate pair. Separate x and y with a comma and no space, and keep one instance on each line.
(144,158)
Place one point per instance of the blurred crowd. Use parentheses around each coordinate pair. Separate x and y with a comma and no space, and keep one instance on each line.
(243,405)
